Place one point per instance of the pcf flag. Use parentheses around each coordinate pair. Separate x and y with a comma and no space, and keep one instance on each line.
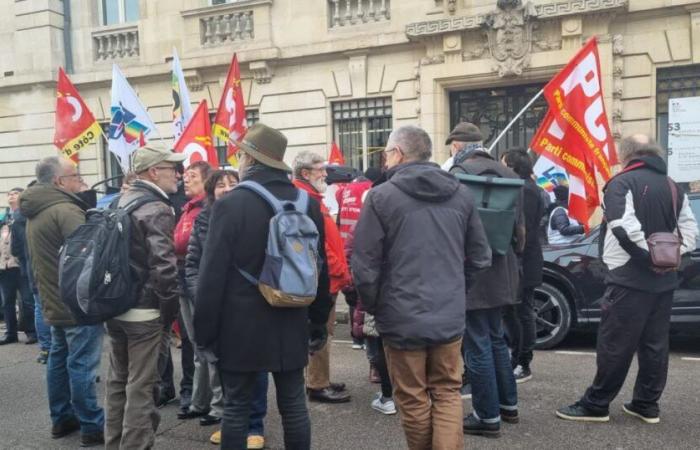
(75,126)
(129,120)
(196,140)
(229,122)
(575,133)
(182,109)
(336,156)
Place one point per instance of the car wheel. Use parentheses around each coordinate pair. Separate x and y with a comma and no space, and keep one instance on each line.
(552,316)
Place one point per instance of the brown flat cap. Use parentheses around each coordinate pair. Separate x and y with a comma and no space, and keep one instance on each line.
(465,132)
(266,145)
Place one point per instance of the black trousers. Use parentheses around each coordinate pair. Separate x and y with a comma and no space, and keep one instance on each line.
(11,281)
(291,401)
(379,361)
(632,321)
(519,321)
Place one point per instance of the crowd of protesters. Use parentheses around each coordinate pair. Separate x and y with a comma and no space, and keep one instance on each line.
(441,314)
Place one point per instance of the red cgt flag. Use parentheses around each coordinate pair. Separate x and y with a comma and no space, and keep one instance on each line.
(575,133)
(336,157)
(75,126)
(196,140)
(229,122)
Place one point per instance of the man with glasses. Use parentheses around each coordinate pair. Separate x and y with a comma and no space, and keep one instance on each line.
(310,175)
(416,286)
(53,212)
(137,335)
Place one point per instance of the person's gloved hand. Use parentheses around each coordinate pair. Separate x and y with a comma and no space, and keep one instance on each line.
(318,334)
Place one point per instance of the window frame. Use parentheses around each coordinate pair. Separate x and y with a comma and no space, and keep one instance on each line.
(121,8)
(363,114)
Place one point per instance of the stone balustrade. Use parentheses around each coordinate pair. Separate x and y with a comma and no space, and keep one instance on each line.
(344,13)
(117,43)
(228,27)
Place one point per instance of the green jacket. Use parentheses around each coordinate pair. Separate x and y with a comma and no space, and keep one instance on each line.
(52,214)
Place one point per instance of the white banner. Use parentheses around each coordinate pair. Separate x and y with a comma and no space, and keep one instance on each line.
(684,139)
(549,174)
(182,109)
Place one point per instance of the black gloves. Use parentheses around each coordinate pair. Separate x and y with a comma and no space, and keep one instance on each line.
(318,334)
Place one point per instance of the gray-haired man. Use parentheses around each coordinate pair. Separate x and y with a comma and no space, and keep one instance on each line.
(415,286)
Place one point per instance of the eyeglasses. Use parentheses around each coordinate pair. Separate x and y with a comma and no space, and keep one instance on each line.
(75,175)
(386,152)
(173,168)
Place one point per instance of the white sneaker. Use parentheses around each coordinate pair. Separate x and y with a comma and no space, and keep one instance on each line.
(384,405)
(357,346)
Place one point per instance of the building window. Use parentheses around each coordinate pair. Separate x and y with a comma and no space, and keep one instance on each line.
(361,129)
(222,2)
(119,11)
(673,82)
(493,109)
(251,116)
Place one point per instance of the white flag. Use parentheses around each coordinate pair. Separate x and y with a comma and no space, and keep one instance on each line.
(182,108)
(130,122)
(549,174)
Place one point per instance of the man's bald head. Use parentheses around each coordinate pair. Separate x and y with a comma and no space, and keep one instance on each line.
(635,146)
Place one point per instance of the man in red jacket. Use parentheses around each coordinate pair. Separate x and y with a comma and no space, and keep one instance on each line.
(310,175)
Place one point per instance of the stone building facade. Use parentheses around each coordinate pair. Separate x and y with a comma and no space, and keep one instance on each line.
(343,70)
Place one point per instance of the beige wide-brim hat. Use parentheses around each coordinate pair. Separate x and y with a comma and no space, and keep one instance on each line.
(266,145)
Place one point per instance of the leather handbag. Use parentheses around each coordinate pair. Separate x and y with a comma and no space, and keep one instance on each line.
(665,247)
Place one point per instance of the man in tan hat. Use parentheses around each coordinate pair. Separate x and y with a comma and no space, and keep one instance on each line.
(137,335)
(232,318)
(465,136)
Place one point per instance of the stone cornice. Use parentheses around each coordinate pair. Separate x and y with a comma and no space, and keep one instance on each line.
(544,11)
(223,8)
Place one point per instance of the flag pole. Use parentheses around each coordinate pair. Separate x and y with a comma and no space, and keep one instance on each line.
(522,111)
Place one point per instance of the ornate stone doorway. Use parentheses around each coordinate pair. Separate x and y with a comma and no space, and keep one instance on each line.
(492,109)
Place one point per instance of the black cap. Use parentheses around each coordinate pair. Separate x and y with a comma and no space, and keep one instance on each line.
(465,132)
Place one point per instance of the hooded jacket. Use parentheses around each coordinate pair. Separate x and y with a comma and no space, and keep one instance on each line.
(338,271)
(52,214)
(638,202)
(418,234)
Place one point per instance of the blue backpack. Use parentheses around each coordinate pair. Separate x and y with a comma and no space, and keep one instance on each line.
(289,276)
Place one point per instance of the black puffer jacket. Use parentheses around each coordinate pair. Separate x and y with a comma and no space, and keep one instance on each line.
(195,247)
(418,234)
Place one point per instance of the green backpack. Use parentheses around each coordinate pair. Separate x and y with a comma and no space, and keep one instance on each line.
(496,199)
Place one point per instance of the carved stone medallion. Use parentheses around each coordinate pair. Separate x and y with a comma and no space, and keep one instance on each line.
(509,32)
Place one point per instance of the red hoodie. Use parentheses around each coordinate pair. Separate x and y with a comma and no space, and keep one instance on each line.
(183,229)
(335,253)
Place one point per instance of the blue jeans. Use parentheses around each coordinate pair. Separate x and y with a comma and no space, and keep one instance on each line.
(488,362)
(73,363)
(258,407)
(43,331)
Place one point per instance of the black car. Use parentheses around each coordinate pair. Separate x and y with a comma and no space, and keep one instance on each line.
(570,295)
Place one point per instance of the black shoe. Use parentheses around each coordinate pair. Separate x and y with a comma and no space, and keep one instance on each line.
(580,413)
(472,425)
(338,387)
(637,412)
(92,439)
(209,420)
(510,416)
(188,414)
(522,374)
(8,340)
(165,398)
(328,395)
(31,340)
(65,428)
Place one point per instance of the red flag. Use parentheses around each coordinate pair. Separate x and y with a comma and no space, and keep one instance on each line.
(75,127)
(229,122)
(196,140)
(336,157)
(575,133)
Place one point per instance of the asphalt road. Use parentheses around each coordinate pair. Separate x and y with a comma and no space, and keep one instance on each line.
(559,378)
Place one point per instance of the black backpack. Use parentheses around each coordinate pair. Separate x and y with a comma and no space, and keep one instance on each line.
(94,276)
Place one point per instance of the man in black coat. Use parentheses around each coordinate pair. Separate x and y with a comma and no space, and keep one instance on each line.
(494,393)
(234,321)
(520,319)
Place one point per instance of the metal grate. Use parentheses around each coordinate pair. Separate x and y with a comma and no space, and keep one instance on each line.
(361,129)
(493,109)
